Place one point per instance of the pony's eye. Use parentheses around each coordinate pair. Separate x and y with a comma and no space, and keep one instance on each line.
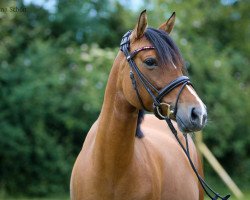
(150,62)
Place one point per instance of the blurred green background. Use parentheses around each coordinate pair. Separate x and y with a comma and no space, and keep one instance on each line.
(54,63)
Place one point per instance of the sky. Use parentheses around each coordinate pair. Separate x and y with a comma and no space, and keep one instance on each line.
(132,4)
(51,4)
(47,4)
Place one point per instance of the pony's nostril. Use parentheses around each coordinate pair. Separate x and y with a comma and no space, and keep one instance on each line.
(197,117)
(194,115)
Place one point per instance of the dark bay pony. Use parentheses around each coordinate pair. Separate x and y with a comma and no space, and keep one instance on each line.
(113,163)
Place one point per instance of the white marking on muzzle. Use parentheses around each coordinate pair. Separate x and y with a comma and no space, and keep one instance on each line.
(203,110)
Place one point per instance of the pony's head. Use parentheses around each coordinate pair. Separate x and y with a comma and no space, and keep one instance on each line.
(154,64)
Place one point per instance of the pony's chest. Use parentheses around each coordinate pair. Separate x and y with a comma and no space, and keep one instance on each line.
(157,185)
(163,175)
(140,184)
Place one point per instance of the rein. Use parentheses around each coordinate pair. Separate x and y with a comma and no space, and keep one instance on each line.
(157,104)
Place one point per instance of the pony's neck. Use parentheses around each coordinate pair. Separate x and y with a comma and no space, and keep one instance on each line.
(114,144)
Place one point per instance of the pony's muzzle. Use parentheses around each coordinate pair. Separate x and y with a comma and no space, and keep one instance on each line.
(198,117)
(191,118)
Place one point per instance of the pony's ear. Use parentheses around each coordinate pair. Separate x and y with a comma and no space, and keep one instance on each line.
(168,25)
(140,27)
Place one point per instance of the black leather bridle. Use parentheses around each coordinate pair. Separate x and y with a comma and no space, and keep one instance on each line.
(157,104)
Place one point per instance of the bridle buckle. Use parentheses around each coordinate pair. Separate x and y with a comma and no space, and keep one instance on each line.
(163,107)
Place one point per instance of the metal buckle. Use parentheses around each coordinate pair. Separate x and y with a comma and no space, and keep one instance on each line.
(158,111)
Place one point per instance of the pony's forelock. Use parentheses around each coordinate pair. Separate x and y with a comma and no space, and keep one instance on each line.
(167,52)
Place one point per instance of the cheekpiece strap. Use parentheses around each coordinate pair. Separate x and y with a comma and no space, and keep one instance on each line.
(125,42)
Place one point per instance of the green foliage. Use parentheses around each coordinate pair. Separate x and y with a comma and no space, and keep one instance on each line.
(48,107)
(51,92)
(90,21)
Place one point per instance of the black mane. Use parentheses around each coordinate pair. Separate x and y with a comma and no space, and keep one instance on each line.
(139,132)
(167,51)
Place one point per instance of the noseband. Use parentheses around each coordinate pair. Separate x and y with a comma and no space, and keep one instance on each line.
(157,104)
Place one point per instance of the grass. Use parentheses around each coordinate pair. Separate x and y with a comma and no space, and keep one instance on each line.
(64,196)
(34,198)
